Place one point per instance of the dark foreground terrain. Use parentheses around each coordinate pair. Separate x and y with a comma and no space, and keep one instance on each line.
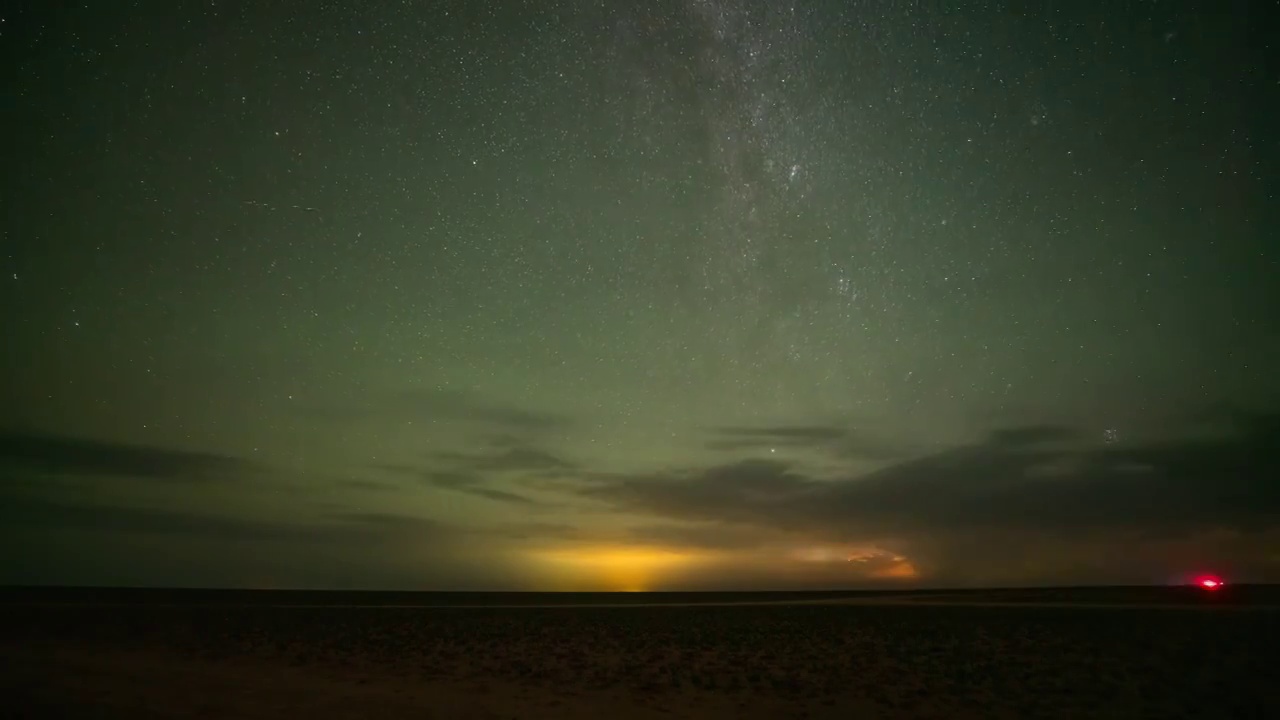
(1053,654)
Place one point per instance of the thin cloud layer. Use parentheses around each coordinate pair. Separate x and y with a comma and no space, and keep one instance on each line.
(56,454)
(1023,503)
(457,405)
(47,540)
(503,460)
(476,472)
(65,514)
(473,484)
(1177,486)
(840,442)
(479,473)
(438,405)
(1021,485)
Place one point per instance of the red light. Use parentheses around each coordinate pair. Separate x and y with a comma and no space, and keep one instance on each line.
(1209,583)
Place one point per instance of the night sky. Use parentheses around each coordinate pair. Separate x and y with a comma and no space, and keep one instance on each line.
(687,294)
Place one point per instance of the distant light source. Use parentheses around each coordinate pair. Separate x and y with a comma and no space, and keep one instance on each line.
(1209,583)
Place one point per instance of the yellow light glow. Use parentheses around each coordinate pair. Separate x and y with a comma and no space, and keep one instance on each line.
(899,569)
(620,569)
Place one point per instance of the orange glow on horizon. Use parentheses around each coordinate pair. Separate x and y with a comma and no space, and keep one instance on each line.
(900,569)
(618,568)
(644,568)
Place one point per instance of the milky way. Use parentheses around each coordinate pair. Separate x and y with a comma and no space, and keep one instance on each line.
(450,289)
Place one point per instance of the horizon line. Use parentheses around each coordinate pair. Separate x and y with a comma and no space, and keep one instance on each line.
(927,589)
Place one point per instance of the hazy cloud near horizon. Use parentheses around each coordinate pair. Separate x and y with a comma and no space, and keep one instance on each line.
(1029,504)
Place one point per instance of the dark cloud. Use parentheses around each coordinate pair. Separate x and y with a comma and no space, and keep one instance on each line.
(53,513)
(473,485)
(59,454)
(1009,483)
(474,472)
(502,496)
(738,492)
(72,540)
(1031,435)
(393,524)
(838,441)
(706,535)
(511,459)
(794,433)
(673,535)
(466,482)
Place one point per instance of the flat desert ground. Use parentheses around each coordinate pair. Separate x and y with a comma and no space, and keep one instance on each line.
(1103,653)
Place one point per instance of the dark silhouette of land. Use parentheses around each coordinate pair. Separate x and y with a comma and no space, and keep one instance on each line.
(1048,652)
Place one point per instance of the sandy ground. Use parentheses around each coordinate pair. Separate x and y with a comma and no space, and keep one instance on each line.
(814,661)
(70,682)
